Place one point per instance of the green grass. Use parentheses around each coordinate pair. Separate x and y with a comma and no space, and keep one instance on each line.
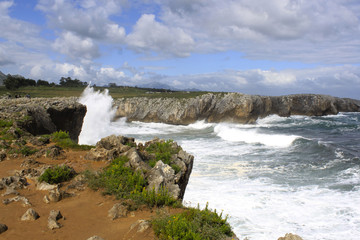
(163,151)
(4,123)
(192,224)
(125,183)
(115,92)
(62,139)
(57,174)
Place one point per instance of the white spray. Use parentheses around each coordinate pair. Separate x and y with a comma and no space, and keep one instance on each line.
(98,117)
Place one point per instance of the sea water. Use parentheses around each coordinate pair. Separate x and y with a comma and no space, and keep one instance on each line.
(296,174)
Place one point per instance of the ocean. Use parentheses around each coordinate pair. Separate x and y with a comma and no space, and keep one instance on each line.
(295,174)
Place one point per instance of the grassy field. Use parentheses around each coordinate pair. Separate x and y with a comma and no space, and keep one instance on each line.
(115,92)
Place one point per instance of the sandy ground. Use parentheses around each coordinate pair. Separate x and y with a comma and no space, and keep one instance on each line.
(85,214)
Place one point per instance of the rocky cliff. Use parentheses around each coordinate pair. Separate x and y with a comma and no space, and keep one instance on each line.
(45,115)
(230,107)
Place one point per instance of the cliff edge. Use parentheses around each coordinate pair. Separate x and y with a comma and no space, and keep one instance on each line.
(230,107)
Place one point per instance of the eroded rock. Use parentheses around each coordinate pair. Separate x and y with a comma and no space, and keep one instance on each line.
(30,215)
(290,236)
(52,219)
(117,211)
(3,228)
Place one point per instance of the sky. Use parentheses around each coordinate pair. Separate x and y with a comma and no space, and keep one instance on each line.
(262,47)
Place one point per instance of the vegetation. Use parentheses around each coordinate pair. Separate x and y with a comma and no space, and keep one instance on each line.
(163,151)
(62,139)
(124,182)
(57,174)
(194,224)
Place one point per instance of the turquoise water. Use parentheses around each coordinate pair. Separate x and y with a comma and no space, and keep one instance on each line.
(297,174)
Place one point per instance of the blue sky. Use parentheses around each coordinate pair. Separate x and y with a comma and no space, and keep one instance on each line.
(261,47)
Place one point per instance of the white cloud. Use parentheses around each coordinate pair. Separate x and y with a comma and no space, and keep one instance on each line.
(76,47)
(149,35)
(277,78)
(110,73)
(90,19)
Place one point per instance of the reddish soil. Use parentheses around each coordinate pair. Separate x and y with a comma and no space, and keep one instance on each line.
(85,214)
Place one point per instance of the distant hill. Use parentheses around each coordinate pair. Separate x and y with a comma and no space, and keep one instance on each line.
(2,78)
(157,85)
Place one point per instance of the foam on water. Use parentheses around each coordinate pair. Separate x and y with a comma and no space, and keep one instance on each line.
(98,116)
(234,134)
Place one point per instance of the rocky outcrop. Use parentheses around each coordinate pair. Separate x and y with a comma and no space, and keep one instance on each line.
(53,218)
(45,115)
(230,107)
(30,215)
(290,236)
(174,175)
(3,228)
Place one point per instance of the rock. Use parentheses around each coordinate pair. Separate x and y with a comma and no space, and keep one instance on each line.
(54,195)
(52,219)
(290,236)
(30,163)
(3,228)
(95,238)
(162,175)
(230,107)
(15,182)
(44,186)
(40,141)
(117,211)
(30,215)
(10,191)
(55,152)
(109,148)
(24,200)
(141,225)
(2,155)
(46,199)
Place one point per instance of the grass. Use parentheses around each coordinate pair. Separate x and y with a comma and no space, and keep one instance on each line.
(62,139)
(192,224)
(57,174)
(125,183)
(163,151)
(115,92)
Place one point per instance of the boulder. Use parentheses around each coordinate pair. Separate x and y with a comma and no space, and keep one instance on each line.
(3,228)
(52,219)
(290,236)
(117,211)
(24,200)
(140,225)
(30,215)
(2,155)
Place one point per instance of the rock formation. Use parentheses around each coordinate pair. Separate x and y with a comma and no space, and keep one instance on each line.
(45,115)
(161,175)
(230,107)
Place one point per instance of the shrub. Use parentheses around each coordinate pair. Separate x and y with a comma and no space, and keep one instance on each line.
(27,151)
(124,182)
(57,174)
(4,123)
(192,224)
(163,151)
(62,139)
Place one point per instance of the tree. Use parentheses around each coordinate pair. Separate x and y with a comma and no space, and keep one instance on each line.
(14,82)
(68,82)
(42,83)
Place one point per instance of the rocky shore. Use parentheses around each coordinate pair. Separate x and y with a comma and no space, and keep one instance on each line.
(230,107)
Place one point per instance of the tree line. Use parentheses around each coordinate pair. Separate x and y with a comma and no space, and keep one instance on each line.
(12,82)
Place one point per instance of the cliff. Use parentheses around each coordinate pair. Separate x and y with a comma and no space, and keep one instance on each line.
(45,115)
(230,107)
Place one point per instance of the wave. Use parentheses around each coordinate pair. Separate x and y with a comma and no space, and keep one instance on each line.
(252,136)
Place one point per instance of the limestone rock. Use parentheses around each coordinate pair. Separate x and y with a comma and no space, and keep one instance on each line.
(117,211)
(30,215)
(44,186)
(141,225)
(230,107)
(52,219)
(54,195)
(3,228)
(290,236)
(24,200)
(95,238)
(2,155)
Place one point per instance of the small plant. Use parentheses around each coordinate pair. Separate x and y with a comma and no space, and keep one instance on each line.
(62,139)
(124,182)
(163,151)
(192,224)
(27,151)
(4,123)
(57,174)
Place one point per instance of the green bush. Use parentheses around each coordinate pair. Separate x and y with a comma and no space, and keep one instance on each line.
(57,174)
(4,123)
(192,224)
(163,151)
(62,139)
(124,182)
(27,151)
